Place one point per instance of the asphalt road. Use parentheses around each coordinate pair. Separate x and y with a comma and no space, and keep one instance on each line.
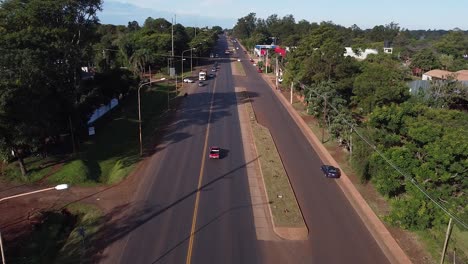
(160,222)
(336,233)
(162,218)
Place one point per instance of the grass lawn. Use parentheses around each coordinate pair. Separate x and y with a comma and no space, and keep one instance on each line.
(112,153)
(58,237)
(239,68)
(80,240)
(458,243)
(283,204)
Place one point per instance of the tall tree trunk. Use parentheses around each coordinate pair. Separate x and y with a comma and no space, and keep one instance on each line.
(22,166)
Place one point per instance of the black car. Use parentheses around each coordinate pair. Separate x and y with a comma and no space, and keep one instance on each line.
(330,171)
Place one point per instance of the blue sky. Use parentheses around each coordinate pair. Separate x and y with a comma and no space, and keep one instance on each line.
(411,14)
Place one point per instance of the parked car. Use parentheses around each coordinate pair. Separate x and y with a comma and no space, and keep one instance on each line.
(211,75)
(330,171)
(200,84)
(259,70)
(187,80)
(214,152)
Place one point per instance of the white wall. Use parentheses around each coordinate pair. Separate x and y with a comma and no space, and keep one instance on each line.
(362,56)
(426,77)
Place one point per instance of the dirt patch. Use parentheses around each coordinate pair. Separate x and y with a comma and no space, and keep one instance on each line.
(20,215)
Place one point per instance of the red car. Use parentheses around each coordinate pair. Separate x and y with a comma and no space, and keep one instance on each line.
(251,60)
(259,70)
(214,152)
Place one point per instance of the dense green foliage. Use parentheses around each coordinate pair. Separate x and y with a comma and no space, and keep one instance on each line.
(421,140)
(45,44)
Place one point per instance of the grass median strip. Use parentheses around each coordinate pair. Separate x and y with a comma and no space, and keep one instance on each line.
(283,204)
(238,68)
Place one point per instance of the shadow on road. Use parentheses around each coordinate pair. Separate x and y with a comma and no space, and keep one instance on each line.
(122,220)
(193,110)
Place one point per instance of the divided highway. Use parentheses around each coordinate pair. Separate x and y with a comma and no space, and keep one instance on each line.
(169,207)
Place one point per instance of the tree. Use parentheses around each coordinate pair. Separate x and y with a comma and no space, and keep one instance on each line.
(425,59)
(44,44)
(317,56)
(245,26)
(446,61)
(454,43)
(133,26)
(380,83)
(431,150)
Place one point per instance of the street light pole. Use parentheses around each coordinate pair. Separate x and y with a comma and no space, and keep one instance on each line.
(182,62)
(59,187)
(1,249)
(191,59)
(139,115)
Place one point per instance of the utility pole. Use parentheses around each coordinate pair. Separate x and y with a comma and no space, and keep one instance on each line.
(447,236)
(172,38)
(276,70)
(150,74)
(72,135)
(324,119)
(292,91)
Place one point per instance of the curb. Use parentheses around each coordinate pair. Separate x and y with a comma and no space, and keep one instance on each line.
(382,236)
(288,233)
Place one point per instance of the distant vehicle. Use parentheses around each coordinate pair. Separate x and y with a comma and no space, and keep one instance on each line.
(200,84)
(280,79)
(238,60)
(216,55)
(211,75)
(330,171)
(227,52)
(259,70)
(213,69)
(214,152)
(202,75)
(187,80)
(251,60)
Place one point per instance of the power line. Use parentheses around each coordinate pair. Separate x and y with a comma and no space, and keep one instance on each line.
(411,179)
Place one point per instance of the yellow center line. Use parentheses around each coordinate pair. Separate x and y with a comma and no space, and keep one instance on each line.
(188,260)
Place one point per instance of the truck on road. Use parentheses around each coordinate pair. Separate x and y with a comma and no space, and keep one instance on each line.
(202,75)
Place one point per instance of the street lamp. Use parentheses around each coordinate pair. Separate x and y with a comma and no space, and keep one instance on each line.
(168,99)
(59,187)
(182,62)
(139,115)
(191,60)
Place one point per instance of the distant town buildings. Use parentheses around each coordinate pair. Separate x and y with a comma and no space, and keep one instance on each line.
(461,75)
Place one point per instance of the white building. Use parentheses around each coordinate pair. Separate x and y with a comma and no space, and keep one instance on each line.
(362,55)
